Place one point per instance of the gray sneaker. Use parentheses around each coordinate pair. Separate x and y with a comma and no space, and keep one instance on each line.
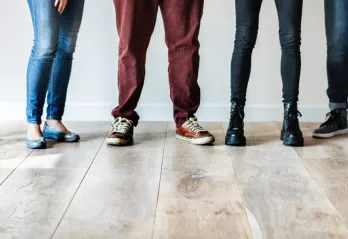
(335,124)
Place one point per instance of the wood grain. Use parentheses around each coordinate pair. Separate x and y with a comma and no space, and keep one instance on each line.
(327,162)
(33,201)
(281,198)
(264,190)
(110,205)
(199,195)
(12,147)
(119,195)
(332,176)
(321,148)
(34,198)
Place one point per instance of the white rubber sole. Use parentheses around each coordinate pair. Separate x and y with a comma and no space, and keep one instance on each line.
(197,141)
(330,135)
(117,142)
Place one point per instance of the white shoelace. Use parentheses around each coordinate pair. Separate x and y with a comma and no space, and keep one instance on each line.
(193,125)
(121,125)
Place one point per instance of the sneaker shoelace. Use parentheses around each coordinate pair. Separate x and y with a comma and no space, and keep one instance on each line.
(193,125)
(331,117)
(121,125)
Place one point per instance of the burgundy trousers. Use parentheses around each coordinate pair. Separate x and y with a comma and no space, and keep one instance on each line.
(136,20)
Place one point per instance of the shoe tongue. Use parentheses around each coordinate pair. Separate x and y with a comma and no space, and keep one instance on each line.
(189,121)
(339,111)
(123,120)
(193,119)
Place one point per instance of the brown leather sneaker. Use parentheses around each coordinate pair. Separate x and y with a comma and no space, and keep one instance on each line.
(192,132)
(121,132)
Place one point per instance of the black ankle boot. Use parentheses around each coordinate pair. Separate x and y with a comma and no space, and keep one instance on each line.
(235,132)
(291,133)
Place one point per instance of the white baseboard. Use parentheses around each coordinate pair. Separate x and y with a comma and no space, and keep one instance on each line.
(163,112)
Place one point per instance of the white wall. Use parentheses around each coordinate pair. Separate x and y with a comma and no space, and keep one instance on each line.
(93,89)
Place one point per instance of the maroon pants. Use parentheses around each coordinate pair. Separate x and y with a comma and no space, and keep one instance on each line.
(135,24)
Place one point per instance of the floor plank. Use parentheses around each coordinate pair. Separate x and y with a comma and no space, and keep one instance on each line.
(332,177)
(119,194)
(12,147)
(110,205)
(199,195)
(327,162)
(281,198)
(33,201)
(36,195)
(281,192)
(321,148)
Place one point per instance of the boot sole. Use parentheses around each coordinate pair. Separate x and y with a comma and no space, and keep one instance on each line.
(330,135)
(233,142)
(197,141)
(299,142)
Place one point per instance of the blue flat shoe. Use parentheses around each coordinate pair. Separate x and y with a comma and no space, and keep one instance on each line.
(36,143)
(59,136)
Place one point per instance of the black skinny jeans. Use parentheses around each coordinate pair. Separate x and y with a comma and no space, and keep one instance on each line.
(290,16)
(336,19)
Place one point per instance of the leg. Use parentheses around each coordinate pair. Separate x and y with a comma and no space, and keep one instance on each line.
(247,23)
(135,23)
(70,22)
(182,20)
(45,19)
(182,23)
(336,19)
(290,16)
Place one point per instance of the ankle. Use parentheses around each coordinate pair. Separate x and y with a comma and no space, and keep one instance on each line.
(53,122)
(34,131)
(56,124)
(34,126)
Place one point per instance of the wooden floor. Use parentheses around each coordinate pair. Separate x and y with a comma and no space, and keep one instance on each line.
(165,188)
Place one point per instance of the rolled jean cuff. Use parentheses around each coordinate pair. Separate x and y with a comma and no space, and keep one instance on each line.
(53,117)
(333,106)
(34,121)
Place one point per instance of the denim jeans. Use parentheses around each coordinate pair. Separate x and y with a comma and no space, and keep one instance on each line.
(290,16)
(336,19)
(51,57)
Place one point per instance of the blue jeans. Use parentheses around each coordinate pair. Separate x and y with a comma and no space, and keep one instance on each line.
(51,58)
(336,19)
(247,24)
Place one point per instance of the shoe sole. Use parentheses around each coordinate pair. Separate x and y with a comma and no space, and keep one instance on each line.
(330,135)
(62,139)
(37,147)
(197,141)
(118,142)
(233,142)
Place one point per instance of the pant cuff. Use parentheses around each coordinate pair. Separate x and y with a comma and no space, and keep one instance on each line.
(333,106)
(37,121)
(53,118)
